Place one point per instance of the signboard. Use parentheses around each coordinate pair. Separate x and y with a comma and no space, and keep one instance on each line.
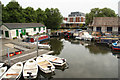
(19,30)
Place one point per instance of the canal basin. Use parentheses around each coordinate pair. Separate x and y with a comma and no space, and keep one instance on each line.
(91,61)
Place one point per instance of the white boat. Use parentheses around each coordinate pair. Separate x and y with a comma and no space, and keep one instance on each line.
(14,72)
(30,69)
(45,65)
(2,71)
(1,64)
(57,61)
(84,36)
(42,45)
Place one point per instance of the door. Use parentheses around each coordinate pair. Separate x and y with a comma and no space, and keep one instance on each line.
(17,33)
(6,34)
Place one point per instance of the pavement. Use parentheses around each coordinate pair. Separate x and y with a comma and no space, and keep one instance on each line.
(29,51)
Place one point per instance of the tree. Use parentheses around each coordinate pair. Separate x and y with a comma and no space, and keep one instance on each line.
(41,16)
(12,12)
(54,18)
(29,14)
(96,12)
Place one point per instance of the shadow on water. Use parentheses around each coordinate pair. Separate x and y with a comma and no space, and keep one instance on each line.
(116,53)
(98,49)
(93,47)
(56,46)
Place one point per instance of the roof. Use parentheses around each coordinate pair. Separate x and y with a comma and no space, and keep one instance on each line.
(106,21)
(22,25)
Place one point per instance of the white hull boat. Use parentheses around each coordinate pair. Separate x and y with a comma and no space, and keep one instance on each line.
(2,71)
(14,72)
(1,64)
(42,45)
(84,36)
(57,61)
(30,69)
(45,65)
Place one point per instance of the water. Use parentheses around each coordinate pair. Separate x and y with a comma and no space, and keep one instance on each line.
(85,59)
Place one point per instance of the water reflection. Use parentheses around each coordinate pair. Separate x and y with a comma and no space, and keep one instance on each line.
(98,49)
(92,47)
(56,46)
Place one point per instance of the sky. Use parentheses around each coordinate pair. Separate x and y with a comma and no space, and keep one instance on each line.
(68,6)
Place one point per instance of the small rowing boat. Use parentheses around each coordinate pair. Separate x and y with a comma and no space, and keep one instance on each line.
(30,69)
(1,64)
(2,71)
(45,65)
(14,72)
(57,61)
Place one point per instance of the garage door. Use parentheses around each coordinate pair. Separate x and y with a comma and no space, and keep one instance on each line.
(98,29)
(109,29)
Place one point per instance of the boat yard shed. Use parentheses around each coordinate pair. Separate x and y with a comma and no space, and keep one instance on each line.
(19,30)
(106,24)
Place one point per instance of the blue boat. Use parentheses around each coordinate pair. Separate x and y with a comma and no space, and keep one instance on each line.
(116,45)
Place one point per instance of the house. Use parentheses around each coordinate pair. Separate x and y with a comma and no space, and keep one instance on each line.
(19,30)
(106,24)
(75,19)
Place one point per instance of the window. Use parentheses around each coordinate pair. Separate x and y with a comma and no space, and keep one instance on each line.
(43,28)
(34,29)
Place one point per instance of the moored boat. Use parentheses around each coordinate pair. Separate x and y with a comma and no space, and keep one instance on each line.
(45,65)
(84,36)
(1,64)
(2,71)
(30,69)
(14,72)
(116,45)
(57,61)
(42,45)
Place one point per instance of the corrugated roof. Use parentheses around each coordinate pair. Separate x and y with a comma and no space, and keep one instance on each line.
(22,25)
(106,21)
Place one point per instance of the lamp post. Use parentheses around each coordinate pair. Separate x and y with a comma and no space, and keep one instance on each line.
(37,45)
(8,56)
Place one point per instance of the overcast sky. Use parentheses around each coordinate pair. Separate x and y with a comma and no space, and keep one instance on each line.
(67,6)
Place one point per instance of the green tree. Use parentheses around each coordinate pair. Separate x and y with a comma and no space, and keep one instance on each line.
(29,14)
(54,18)
(12,12)
(96,12)
(41,16)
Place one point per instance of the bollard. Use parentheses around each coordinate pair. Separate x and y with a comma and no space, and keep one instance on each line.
(8,57)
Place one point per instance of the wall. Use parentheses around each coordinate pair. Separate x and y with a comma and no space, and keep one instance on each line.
(4,28)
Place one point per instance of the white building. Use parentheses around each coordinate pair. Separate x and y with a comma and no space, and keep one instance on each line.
(106,24)
(119,8)
(19,30)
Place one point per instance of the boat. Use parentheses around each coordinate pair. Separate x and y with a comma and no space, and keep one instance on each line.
(84,36)
(42,45)
(1,64)
(30,69)
(2,71)
(14,72)
(45,65)
(57,61)
(116,45)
